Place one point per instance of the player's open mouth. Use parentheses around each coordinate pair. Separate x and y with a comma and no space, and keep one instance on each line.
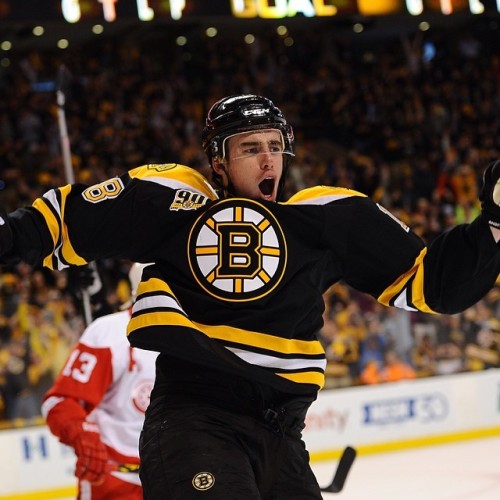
(267,186)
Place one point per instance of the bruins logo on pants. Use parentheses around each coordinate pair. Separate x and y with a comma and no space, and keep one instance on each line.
(203,481)
(237,250)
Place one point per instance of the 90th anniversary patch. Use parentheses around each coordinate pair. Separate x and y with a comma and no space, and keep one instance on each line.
(237,250)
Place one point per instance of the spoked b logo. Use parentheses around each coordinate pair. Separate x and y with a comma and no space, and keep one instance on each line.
(203,481)
(237,250)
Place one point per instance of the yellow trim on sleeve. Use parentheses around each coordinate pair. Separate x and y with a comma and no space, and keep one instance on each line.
(58,232)
(418,299)
(41,205)
(417,291)
(67,250)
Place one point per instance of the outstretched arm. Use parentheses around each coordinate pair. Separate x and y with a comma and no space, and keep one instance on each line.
(462,264)
(490,198)
(382,257)
(76,224)
(123,217)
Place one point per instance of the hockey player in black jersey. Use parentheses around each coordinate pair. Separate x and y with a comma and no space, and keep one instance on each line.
(236,295)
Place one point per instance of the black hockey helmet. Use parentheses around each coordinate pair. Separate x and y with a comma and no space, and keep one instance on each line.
(243,113)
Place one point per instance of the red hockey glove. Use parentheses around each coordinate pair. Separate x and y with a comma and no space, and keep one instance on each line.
(490,194)
(92,464)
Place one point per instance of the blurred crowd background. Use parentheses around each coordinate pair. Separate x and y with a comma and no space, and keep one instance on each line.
(411,119)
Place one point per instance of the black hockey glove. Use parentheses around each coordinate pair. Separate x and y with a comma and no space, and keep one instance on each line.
(85,277)
(490,195)
(6,236)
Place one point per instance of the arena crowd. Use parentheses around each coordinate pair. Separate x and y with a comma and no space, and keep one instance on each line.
(412,121)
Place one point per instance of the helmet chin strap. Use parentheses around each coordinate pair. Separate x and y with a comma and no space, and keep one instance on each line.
(281,184)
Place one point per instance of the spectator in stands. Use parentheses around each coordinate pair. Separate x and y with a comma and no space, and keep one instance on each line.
(374,346)
(396,328)
(341,354)
(371,372)
(450,357)
(395,368)
(424,356)
(16,386)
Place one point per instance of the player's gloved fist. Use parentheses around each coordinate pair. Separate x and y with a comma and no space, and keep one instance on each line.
(490,194)
(92,457)
(86,277)
(6,237)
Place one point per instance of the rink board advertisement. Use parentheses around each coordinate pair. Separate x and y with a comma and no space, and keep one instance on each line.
(34,465)
(32,461)
(410,413)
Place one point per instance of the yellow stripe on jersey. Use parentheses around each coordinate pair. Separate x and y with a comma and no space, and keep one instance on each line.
(307,376)
(307,355)
(53,225)
(315,378)
(228,333)
(262,340)
(58,229)
(153,285)
(224,332)
(398,286)
(177,174)
(321,192)
(68,252)
(417,290)
(276,345)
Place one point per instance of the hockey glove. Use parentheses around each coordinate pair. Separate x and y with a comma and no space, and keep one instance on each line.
(490,195)
(92,457)
(6,236)
(85,277)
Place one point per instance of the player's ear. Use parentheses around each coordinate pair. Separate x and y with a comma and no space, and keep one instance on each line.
(219,165)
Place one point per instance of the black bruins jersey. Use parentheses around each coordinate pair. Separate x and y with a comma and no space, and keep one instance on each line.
(237,285)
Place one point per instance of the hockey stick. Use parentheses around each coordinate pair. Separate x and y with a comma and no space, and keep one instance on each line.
(127,468)
(343,468)
(63,79)
(118,467)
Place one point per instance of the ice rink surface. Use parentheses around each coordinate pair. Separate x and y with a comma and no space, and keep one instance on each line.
(469,470)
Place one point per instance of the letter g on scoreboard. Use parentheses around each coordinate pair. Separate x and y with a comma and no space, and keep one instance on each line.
(237,250)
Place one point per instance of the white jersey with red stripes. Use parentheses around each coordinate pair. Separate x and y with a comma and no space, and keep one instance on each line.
(111,380)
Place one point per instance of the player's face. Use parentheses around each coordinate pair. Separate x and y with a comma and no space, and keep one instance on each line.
(254,163)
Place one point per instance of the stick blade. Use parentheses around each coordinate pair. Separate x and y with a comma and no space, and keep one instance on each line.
(343,468)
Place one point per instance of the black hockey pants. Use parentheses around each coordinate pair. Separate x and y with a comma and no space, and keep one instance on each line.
(206,452)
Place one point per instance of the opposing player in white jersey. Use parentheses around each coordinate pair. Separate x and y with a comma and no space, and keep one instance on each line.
(97,406)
